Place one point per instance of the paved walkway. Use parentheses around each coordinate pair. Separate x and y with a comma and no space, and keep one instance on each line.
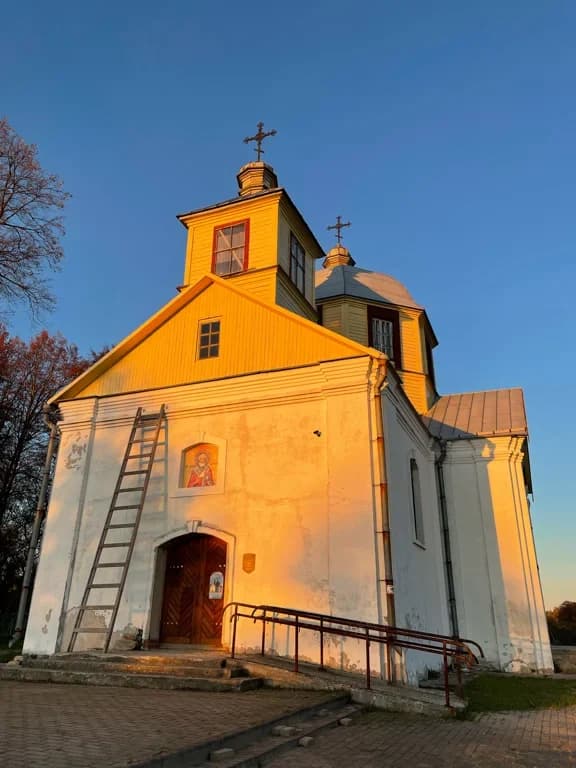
(76,726)
(88,727)
(539,739)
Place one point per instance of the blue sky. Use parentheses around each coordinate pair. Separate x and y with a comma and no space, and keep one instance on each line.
(444,131)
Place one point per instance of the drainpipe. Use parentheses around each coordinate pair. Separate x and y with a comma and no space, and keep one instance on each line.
(51,418)
(393,659)
(448,568)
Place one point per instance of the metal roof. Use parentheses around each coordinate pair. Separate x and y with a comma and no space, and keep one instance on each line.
(362,284)
(494,413)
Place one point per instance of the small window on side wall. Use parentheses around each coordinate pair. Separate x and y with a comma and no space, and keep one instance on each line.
(297,263)
(230,250)
(209,339)
(416,503)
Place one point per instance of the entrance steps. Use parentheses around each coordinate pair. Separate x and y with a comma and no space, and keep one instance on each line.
(202,671)
(211,670)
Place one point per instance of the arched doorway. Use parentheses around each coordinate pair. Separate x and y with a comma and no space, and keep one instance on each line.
(193,590)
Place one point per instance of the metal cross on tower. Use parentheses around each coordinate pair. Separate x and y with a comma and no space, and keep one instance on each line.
(259,138)
(339,226)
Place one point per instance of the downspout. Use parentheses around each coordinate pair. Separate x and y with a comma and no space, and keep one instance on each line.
(51,418)
(383,549)
(445,528)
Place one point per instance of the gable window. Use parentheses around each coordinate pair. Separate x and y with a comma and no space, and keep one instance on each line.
(209,339)
(416,503)
(230,251)
(297,256)
(384,332)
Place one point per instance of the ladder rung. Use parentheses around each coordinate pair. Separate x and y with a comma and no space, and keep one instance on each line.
(111,565)
(116,544)
(144,440)
(88,629)
(125,506)
(150,417)
(135,472)
(96,607)
(121,525)
(104,586)
(127,490)
(139,456)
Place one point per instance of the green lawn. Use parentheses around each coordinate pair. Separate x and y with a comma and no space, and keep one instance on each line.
(493,693)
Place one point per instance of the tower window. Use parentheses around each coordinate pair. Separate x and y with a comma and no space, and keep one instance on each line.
(384,332)
(209,339)
(297,257)
(230,252)
(416,502)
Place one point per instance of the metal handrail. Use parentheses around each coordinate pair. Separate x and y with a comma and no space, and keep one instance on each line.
(452,649)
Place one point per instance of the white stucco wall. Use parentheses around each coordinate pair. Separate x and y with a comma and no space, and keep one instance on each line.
(497,585)
(303,503)
(418,570)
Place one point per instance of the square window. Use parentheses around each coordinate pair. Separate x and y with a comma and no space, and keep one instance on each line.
(230,249)
(209,339)
(297,263)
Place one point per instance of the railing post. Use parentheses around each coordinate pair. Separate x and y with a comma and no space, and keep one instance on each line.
(263,644)
(446,681)
(321,643)
(388,660)
(296,630)
(234,619)
(367,658)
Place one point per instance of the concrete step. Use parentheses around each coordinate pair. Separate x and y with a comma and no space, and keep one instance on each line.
(259,745)
(136,667)
(128,680)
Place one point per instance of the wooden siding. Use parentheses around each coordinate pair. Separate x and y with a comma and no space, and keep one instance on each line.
(332,316)
(263,216)
(289,297)
(414,384)
(253,338)
(289,222)
(411,341)
(357,321)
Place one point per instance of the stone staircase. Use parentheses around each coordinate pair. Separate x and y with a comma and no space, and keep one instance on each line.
(207,670)
(204,671)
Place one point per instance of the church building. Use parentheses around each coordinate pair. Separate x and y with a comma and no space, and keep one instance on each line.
(273,435)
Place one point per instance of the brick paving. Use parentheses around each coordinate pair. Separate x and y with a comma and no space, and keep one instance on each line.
(76,726)
(89,727)
(539,739)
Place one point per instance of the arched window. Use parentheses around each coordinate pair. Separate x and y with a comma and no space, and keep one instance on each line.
(416,502)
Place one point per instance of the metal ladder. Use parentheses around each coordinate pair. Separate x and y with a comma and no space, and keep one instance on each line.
(144,436)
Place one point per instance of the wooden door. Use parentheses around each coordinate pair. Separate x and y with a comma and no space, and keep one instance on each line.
(194,591)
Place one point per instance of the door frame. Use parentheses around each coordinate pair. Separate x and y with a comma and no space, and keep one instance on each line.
(158,570)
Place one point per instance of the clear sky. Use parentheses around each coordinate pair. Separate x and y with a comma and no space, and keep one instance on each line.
(445,131)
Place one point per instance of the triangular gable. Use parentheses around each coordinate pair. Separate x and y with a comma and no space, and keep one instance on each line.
(255,336)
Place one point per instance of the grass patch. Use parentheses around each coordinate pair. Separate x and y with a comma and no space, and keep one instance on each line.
(497,693)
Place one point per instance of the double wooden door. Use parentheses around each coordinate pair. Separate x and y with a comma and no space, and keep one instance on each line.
(194,591)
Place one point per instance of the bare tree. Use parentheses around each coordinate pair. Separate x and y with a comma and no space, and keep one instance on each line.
(30,223)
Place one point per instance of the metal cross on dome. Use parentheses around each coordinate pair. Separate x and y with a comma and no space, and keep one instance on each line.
(259,138)
(339,226)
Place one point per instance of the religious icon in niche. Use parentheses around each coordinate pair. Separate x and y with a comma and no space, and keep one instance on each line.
(199,465)
(216,586)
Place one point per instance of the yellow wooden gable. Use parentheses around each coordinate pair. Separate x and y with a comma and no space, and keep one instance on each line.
(254,337)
